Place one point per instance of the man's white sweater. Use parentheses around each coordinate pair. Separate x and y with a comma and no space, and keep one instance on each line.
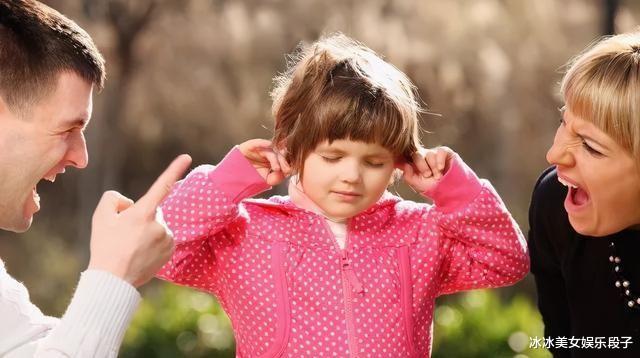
(93,325)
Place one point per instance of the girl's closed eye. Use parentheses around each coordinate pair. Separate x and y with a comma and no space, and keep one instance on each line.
(330,159)
(375,164)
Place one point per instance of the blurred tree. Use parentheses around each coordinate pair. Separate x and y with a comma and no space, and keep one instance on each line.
(127,19)
(178,322)
(609,16)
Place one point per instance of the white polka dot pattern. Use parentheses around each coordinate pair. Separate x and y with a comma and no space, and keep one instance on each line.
(279,275)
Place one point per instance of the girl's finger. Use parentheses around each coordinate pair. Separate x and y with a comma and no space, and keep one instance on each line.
(441,158)
(421,165)
(407,170)
(252,147)
(284,165)
(431,160)
(274,178)
(271,156)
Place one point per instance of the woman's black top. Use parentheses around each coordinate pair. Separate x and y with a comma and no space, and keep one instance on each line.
(577,295)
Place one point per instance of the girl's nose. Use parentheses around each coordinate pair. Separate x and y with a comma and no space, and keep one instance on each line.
(350,172)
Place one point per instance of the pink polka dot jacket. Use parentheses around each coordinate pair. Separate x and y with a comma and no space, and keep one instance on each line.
(290,291)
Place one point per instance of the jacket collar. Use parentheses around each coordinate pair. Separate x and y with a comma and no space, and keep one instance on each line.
(299,203)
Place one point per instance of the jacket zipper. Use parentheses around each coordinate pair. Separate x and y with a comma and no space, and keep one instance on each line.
(350,285)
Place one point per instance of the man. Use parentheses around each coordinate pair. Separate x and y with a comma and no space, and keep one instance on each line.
(48,69)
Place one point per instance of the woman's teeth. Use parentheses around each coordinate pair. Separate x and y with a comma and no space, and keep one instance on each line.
(566,183)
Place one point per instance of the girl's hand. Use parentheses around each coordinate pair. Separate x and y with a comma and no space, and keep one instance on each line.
(429,165)
(269,163)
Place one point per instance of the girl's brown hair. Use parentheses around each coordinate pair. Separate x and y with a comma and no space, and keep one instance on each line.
(337,88)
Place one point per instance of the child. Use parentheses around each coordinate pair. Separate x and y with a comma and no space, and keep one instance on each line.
(340,267)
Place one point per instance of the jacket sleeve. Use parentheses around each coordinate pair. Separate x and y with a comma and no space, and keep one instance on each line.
(205,214)
(545,267)
(479,243)
(93,325)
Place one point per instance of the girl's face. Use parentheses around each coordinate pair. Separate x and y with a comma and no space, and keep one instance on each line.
(603,194)
(346,177)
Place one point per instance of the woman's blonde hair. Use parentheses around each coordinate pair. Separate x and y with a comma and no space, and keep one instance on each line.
(337,88)
(602,85)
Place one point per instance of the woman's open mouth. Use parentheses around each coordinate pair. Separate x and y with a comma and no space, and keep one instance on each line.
(577,197)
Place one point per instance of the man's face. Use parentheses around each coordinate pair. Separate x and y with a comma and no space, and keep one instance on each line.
(39,145)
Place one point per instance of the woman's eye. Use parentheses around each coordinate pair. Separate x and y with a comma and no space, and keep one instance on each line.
(590,149)
(375,165)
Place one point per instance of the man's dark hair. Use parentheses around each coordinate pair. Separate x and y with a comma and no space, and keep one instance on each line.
(37,43)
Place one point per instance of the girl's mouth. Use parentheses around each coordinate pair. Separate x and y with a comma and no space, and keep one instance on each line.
(346,196)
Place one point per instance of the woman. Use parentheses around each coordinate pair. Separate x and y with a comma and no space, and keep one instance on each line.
(585,210)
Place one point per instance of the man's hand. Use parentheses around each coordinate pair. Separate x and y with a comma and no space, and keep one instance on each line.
(126,238)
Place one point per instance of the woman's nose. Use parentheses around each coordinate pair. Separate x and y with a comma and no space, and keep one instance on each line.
(559,154)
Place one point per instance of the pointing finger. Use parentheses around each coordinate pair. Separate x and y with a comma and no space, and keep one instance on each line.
(162,186)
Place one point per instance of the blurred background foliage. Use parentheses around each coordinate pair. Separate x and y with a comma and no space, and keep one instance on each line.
(194,76)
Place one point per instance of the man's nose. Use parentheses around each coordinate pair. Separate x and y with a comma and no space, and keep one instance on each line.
(77,155)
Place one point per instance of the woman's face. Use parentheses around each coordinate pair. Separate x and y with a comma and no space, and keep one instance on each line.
(602,179)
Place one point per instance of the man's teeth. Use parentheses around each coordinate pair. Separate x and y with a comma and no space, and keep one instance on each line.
(566,183)
(50,178)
